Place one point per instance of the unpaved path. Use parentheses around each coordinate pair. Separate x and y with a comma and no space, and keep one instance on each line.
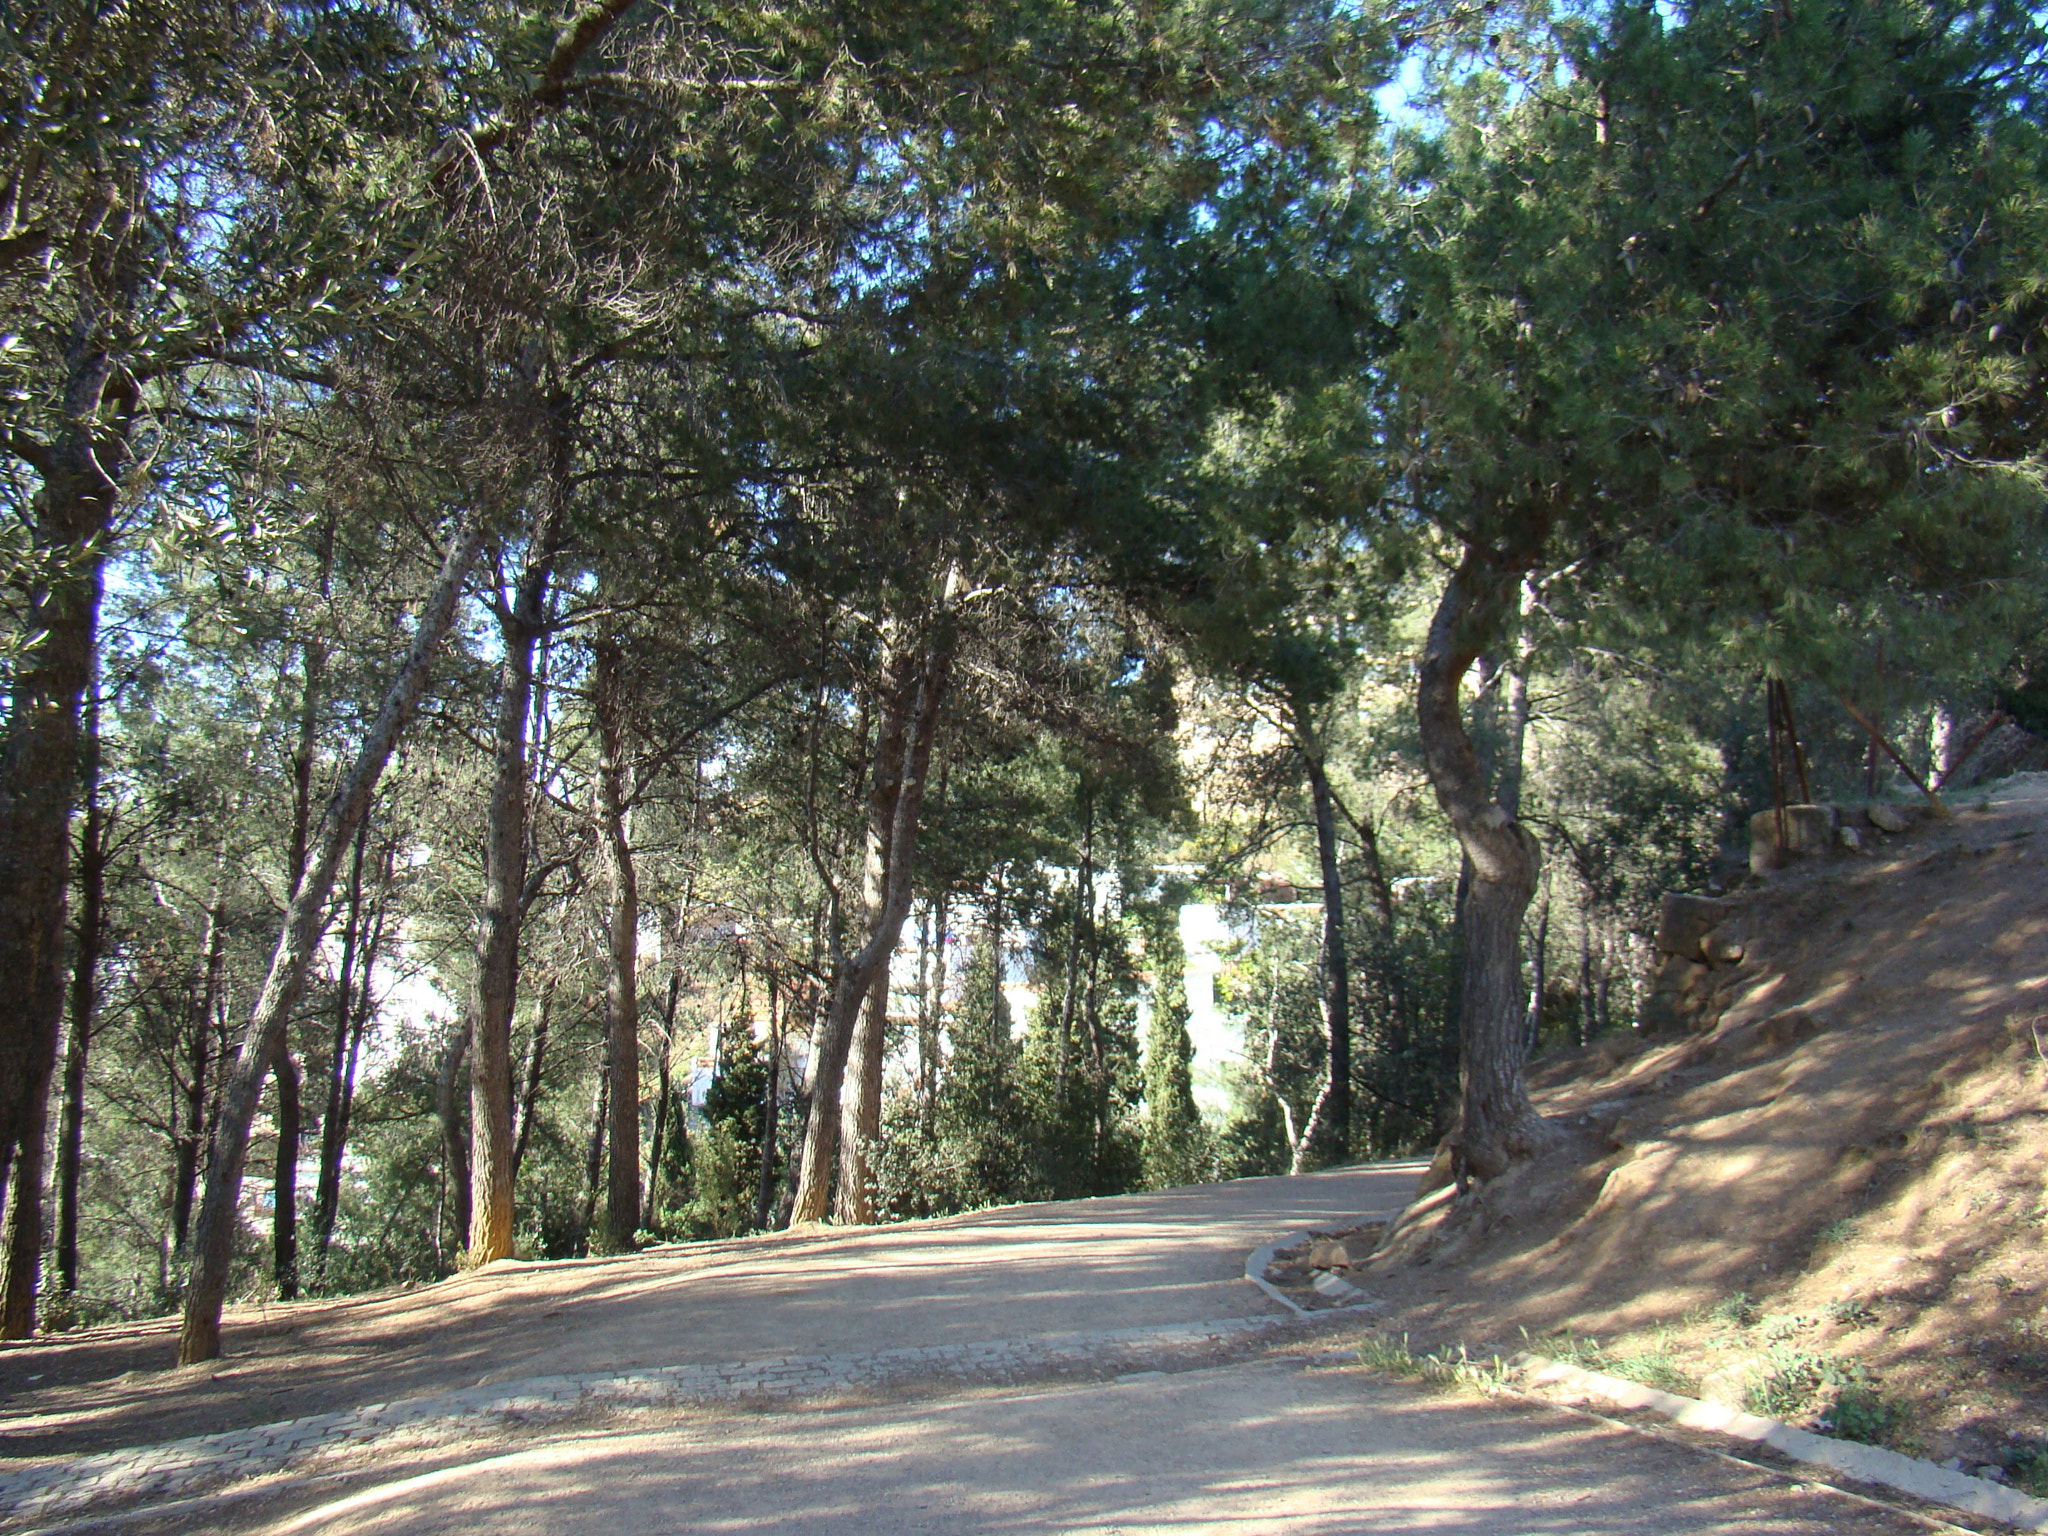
(1271,1448)
(1293,1441)
(1089,1265)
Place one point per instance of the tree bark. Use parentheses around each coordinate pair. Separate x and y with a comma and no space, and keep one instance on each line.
(771,1108)
(860,1107)
(327,1193)
(1327,1136)
(496,989)
(1498,1125)
(39,755)
(536,1059)
(199,1338)
(284,1189)
(611,793)
(24,1227)
(448,1105)
(85,962)
(593,1161)
(902,757)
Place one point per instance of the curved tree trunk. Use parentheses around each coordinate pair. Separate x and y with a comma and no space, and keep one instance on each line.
(1497,1123)
(199,1337)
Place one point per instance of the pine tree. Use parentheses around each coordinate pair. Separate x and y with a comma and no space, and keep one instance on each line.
(1176,1143)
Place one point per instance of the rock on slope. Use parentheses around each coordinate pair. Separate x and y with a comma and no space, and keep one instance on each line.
(1844,1180)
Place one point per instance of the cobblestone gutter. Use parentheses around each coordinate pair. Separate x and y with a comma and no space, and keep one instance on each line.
(77,1485)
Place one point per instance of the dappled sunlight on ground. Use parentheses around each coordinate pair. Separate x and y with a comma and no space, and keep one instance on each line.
(1173,1256)
(1254,1449)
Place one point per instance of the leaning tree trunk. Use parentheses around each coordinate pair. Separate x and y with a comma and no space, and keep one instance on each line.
(291,962)
(1498,1125)
(1327,1136)
(496,989)
(621,994)
(903,756)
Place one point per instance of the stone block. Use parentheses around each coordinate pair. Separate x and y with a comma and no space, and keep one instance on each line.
(1809,830)
(1722,949)
(1683,922)
(1894,818)
(1340,1252)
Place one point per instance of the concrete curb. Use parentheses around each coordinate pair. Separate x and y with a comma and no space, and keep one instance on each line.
(1260,1259)
(79,1485)
(1863,1463)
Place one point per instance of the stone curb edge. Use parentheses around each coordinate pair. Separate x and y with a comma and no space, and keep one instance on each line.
(1260,1259)
(77,1485)
(1864,1463)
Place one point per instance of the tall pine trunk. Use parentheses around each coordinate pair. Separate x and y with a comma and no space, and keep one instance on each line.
(610,795)
(860,1106)
(23,1231)
(496,989)
(1327,1136)
(69,524)
(1498,1125)
(85,963)
(454,1125)
(284,1187)
(292,960)
(333,1131)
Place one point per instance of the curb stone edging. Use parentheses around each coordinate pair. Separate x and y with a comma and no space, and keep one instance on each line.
(1864,1463)
(1346,1295)
(1260,1259)
(80,1485)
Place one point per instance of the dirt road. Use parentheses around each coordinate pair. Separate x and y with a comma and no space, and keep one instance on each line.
(1003,1274)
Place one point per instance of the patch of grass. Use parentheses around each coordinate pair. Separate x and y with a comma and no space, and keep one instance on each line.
(1440,1370)
(1738,1311)
(1837,1396)
(1783,1325)
(1851,1312)
(1839,1231)
(1653,1364)
(2030,1471)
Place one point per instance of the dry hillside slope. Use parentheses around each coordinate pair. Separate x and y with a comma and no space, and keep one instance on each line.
(1832,1203)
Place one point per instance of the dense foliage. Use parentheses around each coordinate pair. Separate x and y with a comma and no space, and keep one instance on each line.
(639,628)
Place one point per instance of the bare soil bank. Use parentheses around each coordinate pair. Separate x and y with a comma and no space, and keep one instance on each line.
(1830,1205)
